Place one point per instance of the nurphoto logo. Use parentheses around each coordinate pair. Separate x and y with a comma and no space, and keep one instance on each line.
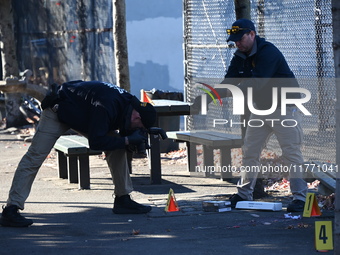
(238,99)
(238,103)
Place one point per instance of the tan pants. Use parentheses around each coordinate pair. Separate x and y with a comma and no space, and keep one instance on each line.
(290,139)
(48,132)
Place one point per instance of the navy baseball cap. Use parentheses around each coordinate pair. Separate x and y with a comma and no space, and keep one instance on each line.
(239,28)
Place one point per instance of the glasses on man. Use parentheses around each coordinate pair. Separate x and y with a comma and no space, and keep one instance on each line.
(235,30)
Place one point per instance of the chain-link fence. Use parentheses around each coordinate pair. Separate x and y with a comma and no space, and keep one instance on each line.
(301,29)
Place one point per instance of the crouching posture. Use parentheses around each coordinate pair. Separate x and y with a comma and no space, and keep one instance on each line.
(108,116)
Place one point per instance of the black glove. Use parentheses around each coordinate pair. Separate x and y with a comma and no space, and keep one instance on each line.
(137,137)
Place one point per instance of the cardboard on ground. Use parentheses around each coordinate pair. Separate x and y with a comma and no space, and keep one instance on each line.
(252,205)
(216,206)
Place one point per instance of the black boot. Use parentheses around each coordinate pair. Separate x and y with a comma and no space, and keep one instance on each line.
(125,205)
(296,206)
(11,218)
(259,190)
(234,199)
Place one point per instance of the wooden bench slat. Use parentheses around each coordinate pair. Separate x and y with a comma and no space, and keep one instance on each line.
(209,138)
(72,145)
(75,145)
(71,150)
(75,139)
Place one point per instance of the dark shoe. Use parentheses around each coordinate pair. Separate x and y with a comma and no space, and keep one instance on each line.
(296,206)
(11,218)
(259,192)
(234,199)
(125,205)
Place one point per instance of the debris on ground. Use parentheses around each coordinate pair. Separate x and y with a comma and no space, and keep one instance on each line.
(176,157)
(326,202)
(282,185)
(274,182)
(293,217)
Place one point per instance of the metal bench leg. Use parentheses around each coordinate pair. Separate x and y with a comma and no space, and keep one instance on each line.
(208,161)
(72,169)
(227,174)
(192,160)
(84,172)
(192,157)
(155,160)
(62,165)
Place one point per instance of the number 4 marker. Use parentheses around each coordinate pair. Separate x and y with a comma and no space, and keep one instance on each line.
(323,236)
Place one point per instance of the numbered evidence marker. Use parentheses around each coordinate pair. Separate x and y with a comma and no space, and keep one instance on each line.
(311,206)
(323,236)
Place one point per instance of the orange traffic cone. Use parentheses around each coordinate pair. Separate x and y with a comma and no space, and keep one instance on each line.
(315,210)
(171,205)
(146,98)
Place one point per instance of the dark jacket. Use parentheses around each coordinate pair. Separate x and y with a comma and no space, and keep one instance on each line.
(263,69)
(95,108)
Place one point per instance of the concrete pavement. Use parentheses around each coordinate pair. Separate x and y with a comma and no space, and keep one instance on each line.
(72,221)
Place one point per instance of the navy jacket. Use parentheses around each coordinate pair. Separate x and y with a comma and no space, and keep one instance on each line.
(263,69)
(95,108)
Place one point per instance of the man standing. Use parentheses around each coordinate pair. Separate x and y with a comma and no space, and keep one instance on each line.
(259,65)
(108,116)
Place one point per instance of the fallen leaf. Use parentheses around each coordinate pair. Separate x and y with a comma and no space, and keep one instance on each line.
(135,232)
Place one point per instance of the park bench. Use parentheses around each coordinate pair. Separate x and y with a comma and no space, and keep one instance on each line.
(74,151)
(73,159)
(210,141)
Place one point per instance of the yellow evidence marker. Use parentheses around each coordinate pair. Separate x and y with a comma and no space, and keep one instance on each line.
(311,206)
(323,236)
